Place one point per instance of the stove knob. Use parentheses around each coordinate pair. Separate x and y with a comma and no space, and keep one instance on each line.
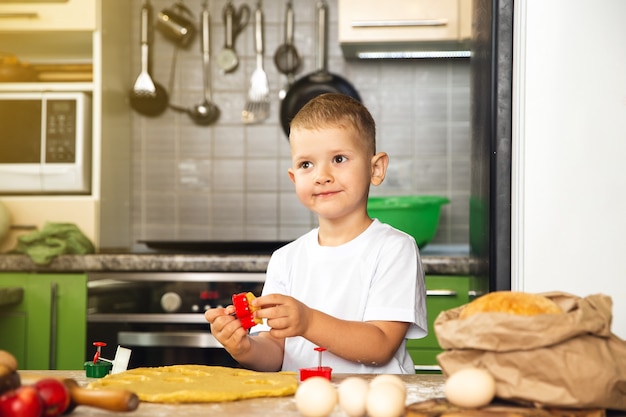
(170,302)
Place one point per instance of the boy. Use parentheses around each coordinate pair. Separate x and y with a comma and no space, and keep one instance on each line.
(353,285)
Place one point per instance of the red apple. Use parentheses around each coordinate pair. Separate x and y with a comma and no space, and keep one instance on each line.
(21,402)
(55,396)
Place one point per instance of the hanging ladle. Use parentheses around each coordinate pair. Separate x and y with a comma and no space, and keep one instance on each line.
(206,112)
(286,57)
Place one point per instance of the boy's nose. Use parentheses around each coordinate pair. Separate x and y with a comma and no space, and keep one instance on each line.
(323,176)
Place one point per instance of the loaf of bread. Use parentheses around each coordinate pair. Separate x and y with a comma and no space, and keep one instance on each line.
(512,302)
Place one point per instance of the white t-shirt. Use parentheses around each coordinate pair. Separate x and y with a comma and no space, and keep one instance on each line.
(376,276)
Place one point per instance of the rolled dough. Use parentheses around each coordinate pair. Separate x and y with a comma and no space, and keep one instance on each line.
(199,383)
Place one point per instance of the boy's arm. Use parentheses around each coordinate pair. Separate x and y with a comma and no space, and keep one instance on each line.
(371,343)
(265,353)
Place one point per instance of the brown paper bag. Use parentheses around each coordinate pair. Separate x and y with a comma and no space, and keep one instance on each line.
(567,360)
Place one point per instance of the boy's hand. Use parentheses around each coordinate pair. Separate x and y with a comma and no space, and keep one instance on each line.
(286,316)
(227,329)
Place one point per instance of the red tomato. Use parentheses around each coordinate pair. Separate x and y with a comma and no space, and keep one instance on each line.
(55,396)
(21,402)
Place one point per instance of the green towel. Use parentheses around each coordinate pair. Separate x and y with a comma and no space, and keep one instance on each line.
(53,240)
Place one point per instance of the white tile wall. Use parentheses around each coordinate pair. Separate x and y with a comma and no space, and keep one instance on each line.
(229,181)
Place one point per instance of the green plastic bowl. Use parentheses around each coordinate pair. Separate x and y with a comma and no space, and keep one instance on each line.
(416,215)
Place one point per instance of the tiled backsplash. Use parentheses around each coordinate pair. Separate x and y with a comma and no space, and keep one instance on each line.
(229,181)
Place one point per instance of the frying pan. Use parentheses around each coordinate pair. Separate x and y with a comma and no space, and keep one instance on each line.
(319,82)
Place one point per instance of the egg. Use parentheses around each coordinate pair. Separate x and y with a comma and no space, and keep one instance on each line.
(353,395)
(316,397)
(385,399)
(388,379)
(470,388)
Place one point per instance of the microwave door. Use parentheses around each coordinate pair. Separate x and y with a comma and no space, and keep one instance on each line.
(20,131)
(63,177)
(20,145)
(15,178)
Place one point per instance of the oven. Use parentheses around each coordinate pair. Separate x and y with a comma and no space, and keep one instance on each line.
(160,316)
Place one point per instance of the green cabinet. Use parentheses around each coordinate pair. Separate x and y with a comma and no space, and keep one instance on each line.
(46,328)
(443,293)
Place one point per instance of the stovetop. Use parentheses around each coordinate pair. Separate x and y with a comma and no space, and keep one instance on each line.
(258,247)
(210,247)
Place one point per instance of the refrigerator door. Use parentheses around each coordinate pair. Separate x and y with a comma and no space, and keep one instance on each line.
(490,199)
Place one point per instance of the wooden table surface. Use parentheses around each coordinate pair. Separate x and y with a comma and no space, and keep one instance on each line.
(419,388)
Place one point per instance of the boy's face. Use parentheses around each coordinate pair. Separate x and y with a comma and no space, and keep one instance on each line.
(332,170)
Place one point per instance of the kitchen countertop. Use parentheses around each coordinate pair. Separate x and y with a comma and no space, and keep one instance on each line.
(166,262)
(419,388)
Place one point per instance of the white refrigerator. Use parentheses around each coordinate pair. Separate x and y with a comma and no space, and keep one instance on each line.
(568,171)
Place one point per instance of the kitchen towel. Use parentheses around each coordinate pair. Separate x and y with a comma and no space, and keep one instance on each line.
(53,240)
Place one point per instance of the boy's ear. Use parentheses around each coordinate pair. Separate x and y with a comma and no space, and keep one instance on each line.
(380,161)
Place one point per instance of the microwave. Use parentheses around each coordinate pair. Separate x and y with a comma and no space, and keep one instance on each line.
(45,142)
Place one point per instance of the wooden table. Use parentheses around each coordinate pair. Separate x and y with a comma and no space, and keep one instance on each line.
(419,388)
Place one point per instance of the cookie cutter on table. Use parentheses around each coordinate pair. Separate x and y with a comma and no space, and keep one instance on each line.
(100,367)
(319,370)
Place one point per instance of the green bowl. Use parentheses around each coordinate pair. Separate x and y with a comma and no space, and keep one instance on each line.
(416,215)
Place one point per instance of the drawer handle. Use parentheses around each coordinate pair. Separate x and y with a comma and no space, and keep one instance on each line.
(441,293)
(427,368)
(398,23)
(169,339)
(475,293)
(54,302)
(19,15)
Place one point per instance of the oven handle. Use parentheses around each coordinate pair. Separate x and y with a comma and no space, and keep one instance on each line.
(193,318)
(169,339)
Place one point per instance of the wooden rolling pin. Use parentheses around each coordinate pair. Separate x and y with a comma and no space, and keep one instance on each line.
(111,400)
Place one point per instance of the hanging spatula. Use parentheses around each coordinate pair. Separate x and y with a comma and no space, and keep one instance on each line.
(257,107)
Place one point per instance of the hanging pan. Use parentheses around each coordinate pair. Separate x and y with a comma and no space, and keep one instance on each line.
(319,82)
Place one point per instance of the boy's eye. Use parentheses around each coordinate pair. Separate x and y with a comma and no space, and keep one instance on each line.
(305,165)
(339,159)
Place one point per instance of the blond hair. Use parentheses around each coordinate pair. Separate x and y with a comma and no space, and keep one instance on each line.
(338,111)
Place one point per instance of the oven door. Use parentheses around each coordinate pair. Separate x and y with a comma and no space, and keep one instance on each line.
(160,317)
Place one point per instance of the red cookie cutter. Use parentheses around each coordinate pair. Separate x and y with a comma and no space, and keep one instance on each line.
(243,311)
(323,371)
(98,367)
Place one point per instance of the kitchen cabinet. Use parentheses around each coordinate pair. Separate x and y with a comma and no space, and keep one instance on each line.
(46,328)
(403,25)
(443,293)
(48,15)
(85,32)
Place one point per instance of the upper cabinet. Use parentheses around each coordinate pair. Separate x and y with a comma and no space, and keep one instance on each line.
(65,15)
(404,28)
(78,45)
